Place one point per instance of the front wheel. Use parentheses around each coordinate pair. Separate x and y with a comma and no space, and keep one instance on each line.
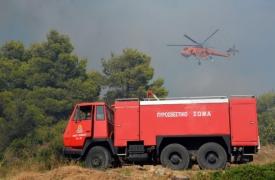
(211,156)
(175,156)
(98,157)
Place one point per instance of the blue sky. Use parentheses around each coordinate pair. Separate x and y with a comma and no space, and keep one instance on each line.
(99,27)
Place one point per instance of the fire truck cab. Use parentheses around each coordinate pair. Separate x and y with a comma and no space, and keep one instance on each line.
(210,131)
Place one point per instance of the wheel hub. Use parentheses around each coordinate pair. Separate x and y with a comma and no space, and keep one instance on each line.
(212,158)
(175,159)
(96,162)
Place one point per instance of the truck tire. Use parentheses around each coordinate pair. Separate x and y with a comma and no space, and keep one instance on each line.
(175,156)
(98,157)
(211,156)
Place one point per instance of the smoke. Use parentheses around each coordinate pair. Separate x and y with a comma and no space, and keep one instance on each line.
(100,27)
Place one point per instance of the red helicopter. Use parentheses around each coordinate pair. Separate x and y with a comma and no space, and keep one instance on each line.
(200,52)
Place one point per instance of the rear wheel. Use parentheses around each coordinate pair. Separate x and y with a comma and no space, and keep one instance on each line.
(175,156)
(98,157)
(211,156)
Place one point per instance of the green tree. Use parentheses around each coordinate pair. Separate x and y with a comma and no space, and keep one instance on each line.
(130,75)
(13,50)
(52,63)
(38,87)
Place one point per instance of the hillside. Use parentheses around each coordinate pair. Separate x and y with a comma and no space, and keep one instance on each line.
(266,155)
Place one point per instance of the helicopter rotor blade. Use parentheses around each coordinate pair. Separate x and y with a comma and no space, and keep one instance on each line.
(181,45)
(186,36)
(210,36)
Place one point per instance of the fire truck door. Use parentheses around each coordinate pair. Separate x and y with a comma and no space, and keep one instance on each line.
(100,122)
(82,125)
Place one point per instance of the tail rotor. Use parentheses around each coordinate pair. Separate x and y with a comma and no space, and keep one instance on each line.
(232,51)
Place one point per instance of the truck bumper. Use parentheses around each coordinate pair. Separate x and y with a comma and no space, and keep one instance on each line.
(72,152)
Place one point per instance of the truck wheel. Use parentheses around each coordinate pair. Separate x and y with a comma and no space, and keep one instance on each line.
(211,156)
(98,157)
(175,156)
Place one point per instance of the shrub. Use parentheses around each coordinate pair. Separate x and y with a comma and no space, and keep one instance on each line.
(242,172)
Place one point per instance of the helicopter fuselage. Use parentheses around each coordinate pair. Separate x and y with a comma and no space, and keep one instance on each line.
(202,53)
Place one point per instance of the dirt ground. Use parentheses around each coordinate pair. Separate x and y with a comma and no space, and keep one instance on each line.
(73,172)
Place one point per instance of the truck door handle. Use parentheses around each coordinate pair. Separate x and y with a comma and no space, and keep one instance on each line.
(88,131)
(251,122)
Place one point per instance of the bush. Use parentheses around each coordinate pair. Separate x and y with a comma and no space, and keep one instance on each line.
(43,146)
(242,172)
(266,117)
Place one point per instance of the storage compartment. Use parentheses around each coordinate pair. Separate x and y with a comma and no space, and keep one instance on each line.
(126,122)
(244,124)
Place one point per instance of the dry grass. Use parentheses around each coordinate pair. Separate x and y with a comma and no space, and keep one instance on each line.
(71,172)
(66,172)
(79,173)
(266,155)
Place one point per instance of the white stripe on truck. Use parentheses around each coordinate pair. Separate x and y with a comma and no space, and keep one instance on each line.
(185,101)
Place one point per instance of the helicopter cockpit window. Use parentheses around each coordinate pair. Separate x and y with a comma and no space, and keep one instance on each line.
(83,113)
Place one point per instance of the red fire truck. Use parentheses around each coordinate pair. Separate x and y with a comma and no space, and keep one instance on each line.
(210,131)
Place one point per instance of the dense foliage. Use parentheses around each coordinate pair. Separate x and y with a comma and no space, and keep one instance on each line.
(40,84)
(38,87)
